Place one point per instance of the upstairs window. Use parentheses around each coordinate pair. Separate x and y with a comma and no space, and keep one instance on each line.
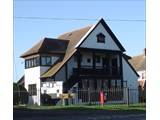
(100,38)
(46,61)
(33,62)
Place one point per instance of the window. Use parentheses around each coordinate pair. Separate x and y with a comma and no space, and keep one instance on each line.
(37,61)
(100,38)
(89,60)
(43,61)
(98,59)
(46,61)
(33,62)
(32,89)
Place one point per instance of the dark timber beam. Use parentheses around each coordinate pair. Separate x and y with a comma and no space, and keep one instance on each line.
(66,71)
(121,69)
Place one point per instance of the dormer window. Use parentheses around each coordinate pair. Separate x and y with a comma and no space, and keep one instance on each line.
(100,38)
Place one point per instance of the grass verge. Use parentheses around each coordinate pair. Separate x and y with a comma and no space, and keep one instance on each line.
(116,107)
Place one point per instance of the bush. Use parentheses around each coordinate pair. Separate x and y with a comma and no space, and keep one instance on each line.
(20,94)
(45,99)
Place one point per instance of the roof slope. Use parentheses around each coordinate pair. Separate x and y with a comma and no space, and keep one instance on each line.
(138,62)
(74,37)
(47,45)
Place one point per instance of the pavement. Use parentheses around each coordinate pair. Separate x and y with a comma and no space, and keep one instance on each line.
(24,114)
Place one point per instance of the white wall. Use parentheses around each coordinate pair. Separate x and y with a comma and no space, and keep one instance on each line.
(91,41)
(131,78)
(32,76)
(129,75)
(52,88)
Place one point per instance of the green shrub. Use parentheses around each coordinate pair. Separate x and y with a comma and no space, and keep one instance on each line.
(20,94)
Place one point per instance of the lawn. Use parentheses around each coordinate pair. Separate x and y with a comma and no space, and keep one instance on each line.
(116,107)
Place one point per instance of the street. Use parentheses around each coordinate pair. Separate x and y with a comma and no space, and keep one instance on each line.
(77,115)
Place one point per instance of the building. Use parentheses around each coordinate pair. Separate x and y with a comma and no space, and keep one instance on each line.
(87,58)
(139,64)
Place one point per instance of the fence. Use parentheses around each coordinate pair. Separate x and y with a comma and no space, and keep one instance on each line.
(112,96)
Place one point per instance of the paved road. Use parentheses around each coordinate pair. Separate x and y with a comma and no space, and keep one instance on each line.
(77,115)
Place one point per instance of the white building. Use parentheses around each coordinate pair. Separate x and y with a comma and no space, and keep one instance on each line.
(139,64)
(87,58)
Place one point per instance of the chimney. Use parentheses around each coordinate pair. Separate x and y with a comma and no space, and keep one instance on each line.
(144,51)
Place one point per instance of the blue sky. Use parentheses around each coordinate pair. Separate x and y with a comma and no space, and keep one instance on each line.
(27,32)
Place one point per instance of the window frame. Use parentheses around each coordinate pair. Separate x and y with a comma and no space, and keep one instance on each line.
(100,38)
(32,89)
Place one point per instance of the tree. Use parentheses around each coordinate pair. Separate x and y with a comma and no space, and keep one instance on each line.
(20,94)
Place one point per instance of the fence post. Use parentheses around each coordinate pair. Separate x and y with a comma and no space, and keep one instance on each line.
(128,96)
(89,97)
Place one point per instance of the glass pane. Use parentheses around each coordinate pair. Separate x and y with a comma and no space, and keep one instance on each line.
(37,61)
(43,60)
(48,62)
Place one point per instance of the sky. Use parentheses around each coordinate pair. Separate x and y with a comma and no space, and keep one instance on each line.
(28,32)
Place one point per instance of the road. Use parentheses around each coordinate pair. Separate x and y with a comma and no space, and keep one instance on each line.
(77,115)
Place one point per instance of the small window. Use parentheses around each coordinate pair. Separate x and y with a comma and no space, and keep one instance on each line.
(89,60)
(43,60)
(98,59)
(100,38)
(32,89)
(37,61)
(48,60)
(26,64)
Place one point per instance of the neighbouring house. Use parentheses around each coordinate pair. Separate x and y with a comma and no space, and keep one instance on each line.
(139,64)
(88,58)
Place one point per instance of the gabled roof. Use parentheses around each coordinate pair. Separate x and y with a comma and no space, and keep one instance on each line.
(126,59)
(138,62)
(107,29)
(67,43)
(47,45)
